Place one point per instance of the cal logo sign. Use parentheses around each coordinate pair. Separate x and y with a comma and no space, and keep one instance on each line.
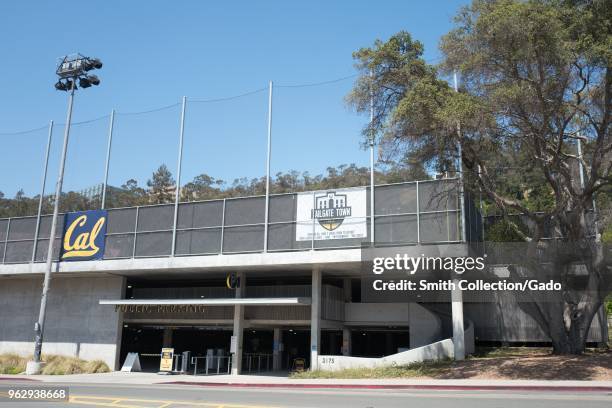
(84,233)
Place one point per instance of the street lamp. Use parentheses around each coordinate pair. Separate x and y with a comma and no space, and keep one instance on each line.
(71,69)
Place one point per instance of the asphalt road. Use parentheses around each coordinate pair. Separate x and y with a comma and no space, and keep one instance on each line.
(175,396)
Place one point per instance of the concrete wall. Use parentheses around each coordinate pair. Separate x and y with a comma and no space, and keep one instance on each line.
(425,326)
(76,325)
(367,314)
(505,321)
(436,351)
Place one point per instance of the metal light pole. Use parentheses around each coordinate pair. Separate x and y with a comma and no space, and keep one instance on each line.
(71,69)
(39,327)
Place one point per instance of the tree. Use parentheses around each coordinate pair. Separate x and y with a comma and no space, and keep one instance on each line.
(161,186)
(203,187)
(536,77)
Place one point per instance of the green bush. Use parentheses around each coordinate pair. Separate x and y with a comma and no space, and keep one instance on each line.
(504,230)
(606,237)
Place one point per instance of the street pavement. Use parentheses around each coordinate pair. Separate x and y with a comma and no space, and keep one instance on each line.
(101,391)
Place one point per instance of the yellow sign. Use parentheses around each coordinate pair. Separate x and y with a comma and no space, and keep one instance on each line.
(167,355)
(299,365)
(84,235)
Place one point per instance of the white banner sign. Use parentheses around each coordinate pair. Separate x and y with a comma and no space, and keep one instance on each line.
(333,214)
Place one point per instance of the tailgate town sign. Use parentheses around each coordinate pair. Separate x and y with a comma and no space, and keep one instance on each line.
(337,214)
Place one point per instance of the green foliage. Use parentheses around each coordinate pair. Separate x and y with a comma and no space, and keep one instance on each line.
(506,230)
(534,76)
(204,187)
(161,186)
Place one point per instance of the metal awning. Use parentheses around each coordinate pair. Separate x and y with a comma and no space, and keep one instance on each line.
(290,301)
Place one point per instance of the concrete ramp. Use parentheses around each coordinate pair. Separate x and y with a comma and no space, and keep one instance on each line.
(439,350)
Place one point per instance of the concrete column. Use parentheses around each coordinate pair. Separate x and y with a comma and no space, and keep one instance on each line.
(238,326)
(457,316)
(346,342)
(315,319)
(167,339)
(348,290)
(389,344)
(277,349)
(603,325)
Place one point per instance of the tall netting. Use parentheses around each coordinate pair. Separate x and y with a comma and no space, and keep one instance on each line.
(142,143)
(320,180)
(22,165)
(225,139)
(224,161)
(316,147)
(21,169)
(313,130)
(84,172)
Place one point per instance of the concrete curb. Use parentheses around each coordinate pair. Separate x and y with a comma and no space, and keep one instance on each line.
(536,388)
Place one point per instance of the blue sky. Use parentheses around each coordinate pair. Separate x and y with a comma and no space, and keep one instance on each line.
(154,52)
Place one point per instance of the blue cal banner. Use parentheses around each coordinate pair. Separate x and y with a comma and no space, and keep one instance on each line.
(84,233)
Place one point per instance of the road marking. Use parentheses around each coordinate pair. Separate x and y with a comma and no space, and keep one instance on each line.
(121,402)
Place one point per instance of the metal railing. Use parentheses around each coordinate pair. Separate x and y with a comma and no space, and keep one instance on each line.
(256,362)
(135,238)
(212,364)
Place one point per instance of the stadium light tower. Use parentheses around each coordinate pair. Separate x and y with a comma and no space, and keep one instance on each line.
(71,69)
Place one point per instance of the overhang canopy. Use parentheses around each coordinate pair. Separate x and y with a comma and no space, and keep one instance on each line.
(289,301)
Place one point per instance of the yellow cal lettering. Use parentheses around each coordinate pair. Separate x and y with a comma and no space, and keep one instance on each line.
(79,222)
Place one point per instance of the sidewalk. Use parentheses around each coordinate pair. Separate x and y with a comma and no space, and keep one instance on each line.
(271,381)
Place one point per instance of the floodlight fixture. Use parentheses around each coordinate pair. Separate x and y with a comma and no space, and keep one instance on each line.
(75,67)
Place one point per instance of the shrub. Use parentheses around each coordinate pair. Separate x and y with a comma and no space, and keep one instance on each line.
(59,365)
(12,364)
(55,365)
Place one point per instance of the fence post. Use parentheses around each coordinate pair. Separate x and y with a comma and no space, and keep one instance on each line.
(42,192)
(314,207)
(268,157)
(8,229)
(177,192)
(108,153)
(418,214)
(222,227)
(135,233)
